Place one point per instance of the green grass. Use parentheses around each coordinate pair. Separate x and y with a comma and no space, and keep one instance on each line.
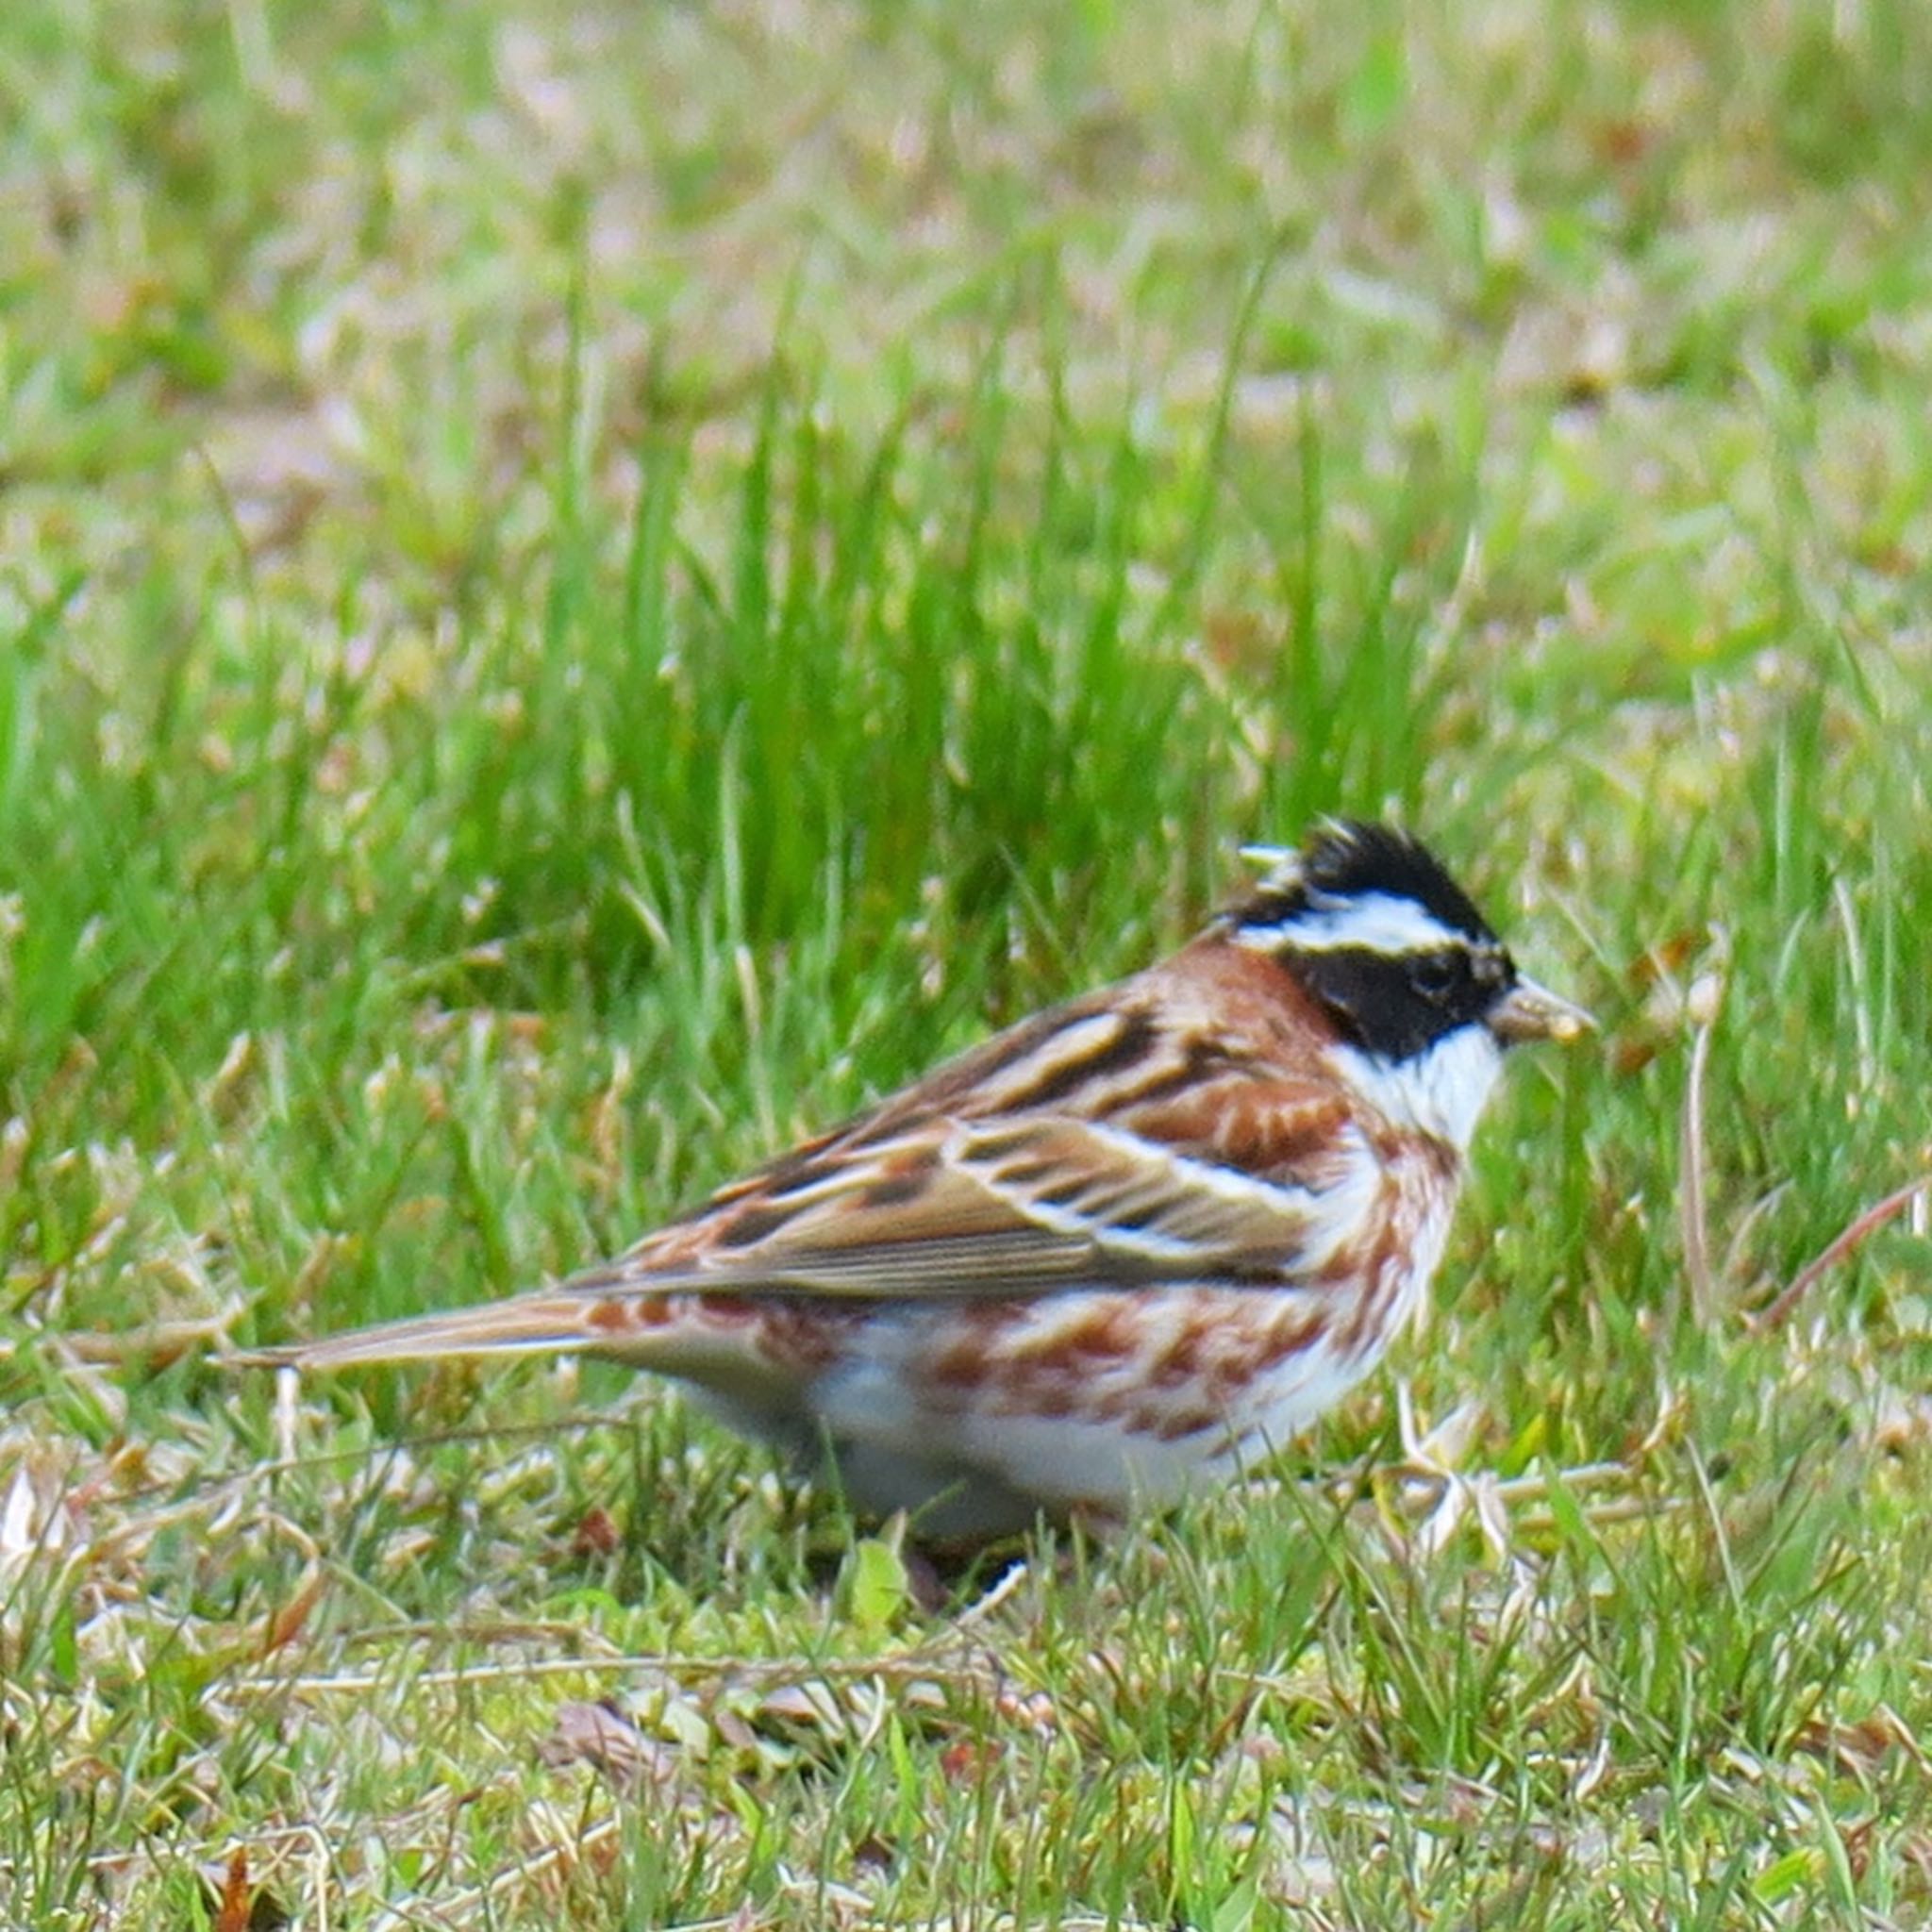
(582,589)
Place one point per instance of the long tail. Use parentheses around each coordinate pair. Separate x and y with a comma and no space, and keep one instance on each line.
(524,1325)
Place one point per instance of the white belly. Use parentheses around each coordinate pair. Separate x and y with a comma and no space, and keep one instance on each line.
(1103,1402)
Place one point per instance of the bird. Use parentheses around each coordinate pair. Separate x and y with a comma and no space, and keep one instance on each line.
(1117,1254)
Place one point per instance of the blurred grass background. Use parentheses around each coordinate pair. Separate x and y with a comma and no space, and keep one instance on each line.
(583,588)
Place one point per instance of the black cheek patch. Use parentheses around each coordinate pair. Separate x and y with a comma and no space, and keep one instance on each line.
(1379,1005)
(1450,982)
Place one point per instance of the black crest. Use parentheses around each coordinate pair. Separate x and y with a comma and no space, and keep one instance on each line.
(1349,858)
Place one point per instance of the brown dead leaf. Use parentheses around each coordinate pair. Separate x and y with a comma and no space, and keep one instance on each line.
(602,1737)
(242,1907)
(1865,1747)
(811,1705)
(597,1534)
(965,1761)
(1621,143)
(1666,959)
(286,1623)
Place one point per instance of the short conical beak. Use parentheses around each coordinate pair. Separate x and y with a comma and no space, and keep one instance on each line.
(1530,1011)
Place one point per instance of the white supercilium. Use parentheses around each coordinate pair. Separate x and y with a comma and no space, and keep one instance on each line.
(1375,922)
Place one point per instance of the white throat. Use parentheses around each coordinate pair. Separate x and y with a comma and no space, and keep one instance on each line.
(1443,1092)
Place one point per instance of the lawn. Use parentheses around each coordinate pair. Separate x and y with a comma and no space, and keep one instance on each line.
(584,588)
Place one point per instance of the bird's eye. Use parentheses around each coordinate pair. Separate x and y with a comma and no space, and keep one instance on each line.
(1434,974)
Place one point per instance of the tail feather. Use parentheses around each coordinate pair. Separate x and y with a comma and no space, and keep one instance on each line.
(525,1324)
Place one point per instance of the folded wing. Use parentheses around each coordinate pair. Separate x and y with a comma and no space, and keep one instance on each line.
(1013,1206)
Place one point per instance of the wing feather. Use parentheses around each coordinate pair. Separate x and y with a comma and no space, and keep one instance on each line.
(1021,1204)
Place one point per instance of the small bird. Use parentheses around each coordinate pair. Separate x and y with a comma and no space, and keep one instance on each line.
(1128,1246)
